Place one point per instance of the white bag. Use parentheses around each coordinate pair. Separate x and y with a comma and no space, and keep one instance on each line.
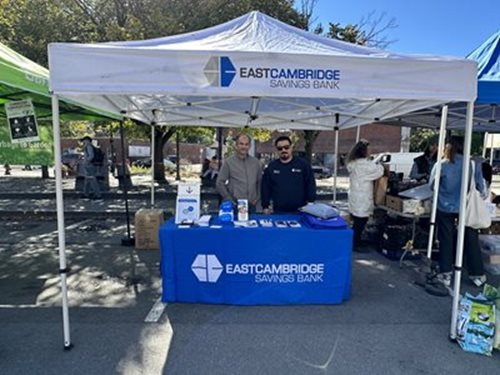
(477,215)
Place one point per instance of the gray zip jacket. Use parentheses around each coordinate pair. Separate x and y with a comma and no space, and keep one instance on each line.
(240,179)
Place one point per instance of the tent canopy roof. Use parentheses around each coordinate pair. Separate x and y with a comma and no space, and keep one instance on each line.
(255,71)
(487,56)
(21,78)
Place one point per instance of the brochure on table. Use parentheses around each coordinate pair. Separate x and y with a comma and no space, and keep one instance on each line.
(187,207)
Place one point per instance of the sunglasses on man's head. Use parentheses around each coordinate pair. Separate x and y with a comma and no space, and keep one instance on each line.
(281,148)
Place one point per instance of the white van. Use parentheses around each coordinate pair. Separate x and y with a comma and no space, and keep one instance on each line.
(399,162)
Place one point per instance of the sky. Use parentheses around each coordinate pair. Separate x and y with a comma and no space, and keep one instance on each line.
(428,27)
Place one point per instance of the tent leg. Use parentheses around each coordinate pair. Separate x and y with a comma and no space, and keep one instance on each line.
(129,241)
(177,156)
(153,161)
(461,219)
(63,270)
(485,144)
(335,170)
(437,179)
(492,149)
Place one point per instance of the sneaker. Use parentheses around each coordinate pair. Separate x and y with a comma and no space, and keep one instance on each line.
(439,285)
(444,278)
(478,281)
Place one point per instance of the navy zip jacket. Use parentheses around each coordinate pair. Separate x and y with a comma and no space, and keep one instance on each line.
(288,185)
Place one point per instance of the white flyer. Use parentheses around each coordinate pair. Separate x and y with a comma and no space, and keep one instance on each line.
(187,207)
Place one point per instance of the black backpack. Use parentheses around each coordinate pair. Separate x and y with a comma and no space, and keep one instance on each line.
(98,155)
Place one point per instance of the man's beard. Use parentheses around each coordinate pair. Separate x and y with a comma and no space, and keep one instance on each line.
(284,156)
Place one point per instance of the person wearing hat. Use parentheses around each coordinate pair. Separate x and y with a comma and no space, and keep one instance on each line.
(90,186)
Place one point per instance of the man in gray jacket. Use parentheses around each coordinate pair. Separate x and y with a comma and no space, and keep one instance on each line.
(240,175)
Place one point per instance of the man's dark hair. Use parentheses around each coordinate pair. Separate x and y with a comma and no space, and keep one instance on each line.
(282,138)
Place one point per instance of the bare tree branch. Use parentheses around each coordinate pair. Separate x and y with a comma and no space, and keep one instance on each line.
(88,10)
(374,27)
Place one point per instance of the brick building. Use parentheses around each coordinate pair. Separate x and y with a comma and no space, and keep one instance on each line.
(383,138)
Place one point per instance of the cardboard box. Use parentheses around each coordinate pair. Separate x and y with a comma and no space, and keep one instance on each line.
(393,202)
(147,227)
(408,206)
(380,190)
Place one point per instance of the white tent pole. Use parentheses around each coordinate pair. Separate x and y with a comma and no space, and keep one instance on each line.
(492,149)
(485,144)
(63,270)
(335,162)
(461,220)
(358,133)
(437,178)
(152,165)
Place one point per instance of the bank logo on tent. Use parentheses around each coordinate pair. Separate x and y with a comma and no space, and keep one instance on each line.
(220,71)
(207,268)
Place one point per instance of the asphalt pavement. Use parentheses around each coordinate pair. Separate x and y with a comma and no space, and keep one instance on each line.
(389,326)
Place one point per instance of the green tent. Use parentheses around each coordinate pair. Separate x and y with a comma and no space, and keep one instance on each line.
(21,79)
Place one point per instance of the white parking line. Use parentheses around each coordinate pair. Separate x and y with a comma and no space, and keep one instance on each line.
(156,311)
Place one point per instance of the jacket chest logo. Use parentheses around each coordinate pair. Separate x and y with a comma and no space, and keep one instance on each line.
(296,170)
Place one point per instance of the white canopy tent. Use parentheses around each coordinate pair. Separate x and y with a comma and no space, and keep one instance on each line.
(252,71)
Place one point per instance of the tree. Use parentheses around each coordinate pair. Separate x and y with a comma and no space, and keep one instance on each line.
(126,19)
(369,31)
(29,25)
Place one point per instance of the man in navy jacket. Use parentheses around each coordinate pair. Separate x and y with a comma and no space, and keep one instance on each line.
(288,182)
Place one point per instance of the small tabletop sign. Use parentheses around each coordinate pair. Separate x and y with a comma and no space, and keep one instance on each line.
(22,121)
(187,207)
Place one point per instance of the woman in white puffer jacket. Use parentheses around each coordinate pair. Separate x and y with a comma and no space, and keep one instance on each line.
(362,173)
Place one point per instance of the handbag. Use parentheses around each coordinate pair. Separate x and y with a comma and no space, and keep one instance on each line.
(476,212)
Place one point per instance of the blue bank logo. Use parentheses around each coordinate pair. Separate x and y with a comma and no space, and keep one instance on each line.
(207,268)
(219,71)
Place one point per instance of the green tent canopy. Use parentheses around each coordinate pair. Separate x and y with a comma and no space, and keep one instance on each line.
(20,79)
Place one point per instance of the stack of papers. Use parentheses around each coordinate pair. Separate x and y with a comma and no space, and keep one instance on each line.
(246,224)
(204,221)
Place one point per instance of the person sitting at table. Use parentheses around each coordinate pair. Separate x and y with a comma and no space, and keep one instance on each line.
(240,176)
(422,165)
(362,173)
(288,182)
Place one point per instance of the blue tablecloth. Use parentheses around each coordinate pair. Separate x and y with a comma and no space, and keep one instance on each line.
(254,266)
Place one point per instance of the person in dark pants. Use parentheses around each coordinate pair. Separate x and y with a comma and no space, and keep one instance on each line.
(362,173)
(448,207)
(288,182)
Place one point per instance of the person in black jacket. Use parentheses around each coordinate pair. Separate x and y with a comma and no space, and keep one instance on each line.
(288,182)
(422,165)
